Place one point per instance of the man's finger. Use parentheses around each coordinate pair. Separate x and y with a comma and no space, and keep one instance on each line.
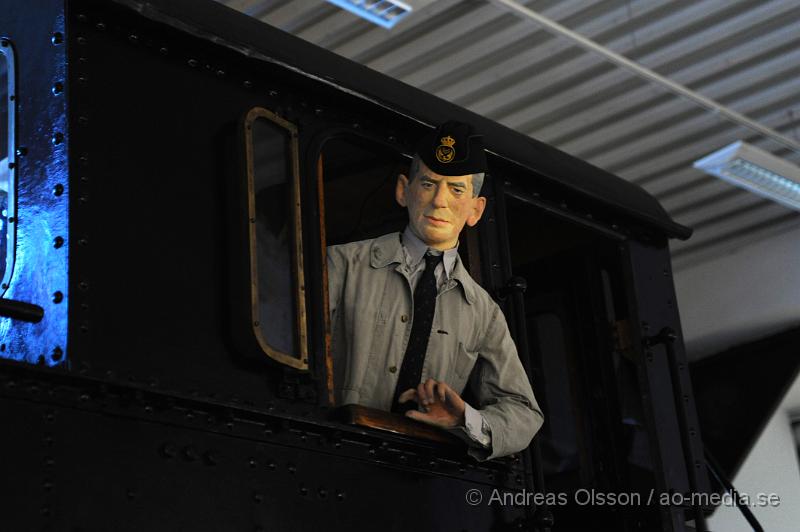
(430,392)
(423,397)
(441,391)
(420,416)
(408,395)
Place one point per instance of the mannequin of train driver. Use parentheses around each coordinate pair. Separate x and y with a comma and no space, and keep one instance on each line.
(374,288)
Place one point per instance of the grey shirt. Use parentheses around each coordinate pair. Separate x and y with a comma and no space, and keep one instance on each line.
(371,307)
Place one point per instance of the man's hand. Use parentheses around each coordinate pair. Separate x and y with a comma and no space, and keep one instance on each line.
(438,404)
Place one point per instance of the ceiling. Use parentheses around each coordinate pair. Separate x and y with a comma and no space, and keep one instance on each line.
(743,54)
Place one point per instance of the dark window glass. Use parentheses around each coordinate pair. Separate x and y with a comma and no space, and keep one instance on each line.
(276,261)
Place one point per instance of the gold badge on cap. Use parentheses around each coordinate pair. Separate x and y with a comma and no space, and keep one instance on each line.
(445,153)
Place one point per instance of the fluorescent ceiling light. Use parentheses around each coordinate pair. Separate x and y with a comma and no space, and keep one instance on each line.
(756,170)
(384,13)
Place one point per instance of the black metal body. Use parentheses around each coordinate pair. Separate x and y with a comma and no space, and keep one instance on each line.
(147,409)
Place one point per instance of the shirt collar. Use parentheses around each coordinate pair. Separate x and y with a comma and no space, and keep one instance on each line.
(388,249)
(416,249)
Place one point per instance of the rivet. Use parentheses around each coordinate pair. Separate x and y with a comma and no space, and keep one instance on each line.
(84,327)
(292,469)
(133,38)
(303,491)
(58,297)
(220,73)
(404,318)
(47,485)
(193,63)
(273,93)
(247,84)
(82,18)
(271,466)
(163,50)
(83,285)
(57,354)
(83,120)
(257,497)
(210,458)
(82,40)
(58,137)
(84,198)
(83,80)
(340,496)
(49,461)
(190,453)
(323,493)
(84,160)
(57,38)
(83,241)
(58,88)
(168,450)
(22,151)
(100,26)
(58,189)
(252,462)
(46,511)
(131,494)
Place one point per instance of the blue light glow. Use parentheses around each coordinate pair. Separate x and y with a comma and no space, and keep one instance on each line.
(40,268)
(384,13)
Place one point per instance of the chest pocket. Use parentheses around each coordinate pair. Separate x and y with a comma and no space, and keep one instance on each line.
(462,367)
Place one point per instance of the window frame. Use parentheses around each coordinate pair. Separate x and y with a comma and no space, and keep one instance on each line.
(301,325)
(7,50)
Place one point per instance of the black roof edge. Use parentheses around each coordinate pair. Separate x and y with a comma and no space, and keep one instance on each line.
(227,27)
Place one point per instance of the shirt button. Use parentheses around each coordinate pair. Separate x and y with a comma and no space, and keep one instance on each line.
(393,369)
(404,318)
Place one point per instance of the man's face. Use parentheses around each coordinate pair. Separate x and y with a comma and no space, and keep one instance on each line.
(439,206)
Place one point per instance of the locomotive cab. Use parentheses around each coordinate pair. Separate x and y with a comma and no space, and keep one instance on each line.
(176,173)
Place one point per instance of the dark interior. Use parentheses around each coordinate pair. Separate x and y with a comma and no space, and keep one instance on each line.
(594,434)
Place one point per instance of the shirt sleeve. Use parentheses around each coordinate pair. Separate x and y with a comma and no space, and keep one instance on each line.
(504,394)
(475,432)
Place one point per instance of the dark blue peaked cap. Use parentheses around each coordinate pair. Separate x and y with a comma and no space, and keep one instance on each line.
(453,149)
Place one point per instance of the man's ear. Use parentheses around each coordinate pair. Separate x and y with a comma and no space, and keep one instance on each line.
(477,211)
(400,190)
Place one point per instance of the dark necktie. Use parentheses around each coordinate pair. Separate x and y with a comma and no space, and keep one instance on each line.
(414,358)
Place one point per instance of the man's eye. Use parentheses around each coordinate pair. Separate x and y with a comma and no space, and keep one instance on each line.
(458,191)
(427,184)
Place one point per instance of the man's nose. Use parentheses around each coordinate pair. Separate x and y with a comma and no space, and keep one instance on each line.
(440,198)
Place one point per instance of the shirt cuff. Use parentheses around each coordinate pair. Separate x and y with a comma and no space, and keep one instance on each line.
(476,428)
